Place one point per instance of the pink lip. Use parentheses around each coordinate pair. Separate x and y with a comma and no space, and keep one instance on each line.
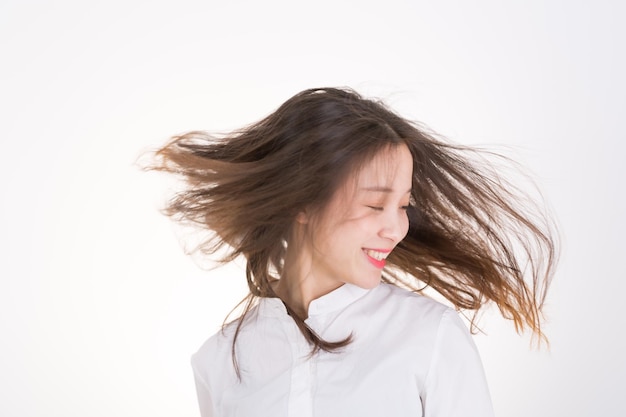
(378,264)
(378,250)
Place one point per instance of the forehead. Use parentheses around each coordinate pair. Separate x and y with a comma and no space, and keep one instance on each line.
(390,168)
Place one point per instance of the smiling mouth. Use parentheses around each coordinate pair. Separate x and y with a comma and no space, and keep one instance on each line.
(379,256)
(376,258)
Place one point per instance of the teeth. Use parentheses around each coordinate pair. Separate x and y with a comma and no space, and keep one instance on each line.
(379,256)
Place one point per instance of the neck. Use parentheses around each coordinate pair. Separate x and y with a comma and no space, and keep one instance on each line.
(299,283)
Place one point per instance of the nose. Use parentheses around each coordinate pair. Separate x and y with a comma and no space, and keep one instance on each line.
(394,225)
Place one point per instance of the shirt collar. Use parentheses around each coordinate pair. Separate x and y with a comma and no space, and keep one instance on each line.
(336,300)
(333,301)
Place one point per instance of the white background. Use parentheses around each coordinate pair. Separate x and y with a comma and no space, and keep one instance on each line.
(100,308)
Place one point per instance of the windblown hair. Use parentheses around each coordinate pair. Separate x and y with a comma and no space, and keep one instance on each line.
(472,236)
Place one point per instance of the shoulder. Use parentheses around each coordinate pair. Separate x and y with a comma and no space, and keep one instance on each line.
(417,320)
(219,344)
(214,358)
(399,301)
(402,317)
(434,334)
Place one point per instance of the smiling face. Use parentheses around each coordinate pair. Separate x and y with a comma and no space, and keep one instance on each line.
(363,222)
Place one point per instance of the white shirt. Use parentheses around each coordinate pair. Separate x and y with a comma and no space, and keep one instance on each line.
(410,356)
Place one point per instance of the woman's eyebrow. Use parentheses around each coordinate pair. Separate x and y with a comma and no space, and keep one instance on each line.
(379,189)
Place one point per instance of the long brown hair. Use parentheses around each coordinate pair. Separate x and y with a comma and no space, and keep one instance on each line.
(472,237)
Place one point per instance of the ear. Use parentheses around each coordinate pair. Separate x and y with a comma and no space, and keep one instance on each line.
(303,217)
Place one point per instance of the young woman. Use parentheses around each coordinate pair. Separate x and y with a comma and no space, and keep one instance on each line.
(344,211)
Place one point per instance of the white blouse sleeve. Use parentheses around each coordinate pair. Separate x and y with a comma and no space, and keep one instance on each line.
(455,384)
(204,395)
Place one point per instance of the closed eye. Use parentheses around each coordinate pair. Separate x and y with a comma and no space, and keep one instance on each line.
(376,208)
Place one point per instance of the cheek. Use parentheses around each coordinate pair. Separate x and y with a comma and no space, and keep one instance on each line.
(405,226)
(334,237)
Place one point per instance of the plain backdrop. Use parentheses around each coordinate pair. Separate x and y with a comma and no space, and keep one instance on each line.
(100,308)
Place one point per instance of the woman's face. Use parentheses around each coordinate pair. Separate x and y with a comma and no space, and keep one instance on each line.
(363,222)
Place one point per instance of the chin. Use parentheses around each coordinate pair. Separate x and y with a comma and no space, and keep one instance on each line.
(368,284)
